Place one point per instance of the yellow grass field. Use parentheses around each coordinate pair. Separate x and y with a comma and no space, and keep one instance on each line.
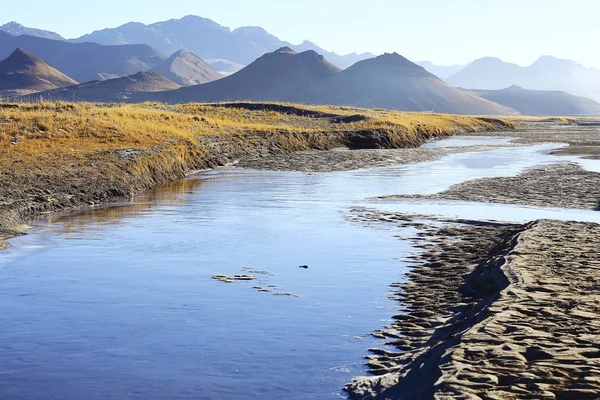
(32,130)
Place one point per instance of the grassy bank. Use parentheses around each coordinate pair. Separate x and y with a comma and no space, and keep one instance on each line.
(59,155)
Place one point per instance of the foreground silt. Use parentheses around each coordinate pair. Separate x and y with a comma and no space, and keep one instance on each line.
(495,311)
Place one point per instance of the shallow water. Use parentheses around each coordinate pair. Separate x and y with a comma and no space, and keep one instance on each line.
(119,302)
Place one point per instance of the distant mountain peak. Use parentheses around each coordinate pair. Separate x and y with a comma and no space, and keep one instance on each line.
(551,61)
(284,50)
(187,69)
(22,59)
(393,63)
(490,60)
(12,24)
(23,73)
(16,29)
(251,30)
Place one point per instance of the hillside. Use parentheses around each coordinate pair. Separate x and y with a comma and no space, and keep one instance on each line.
(273,77)
(242,46)
(23,73)
(16,29)
(112,90)
(547,73)
(187,69)
(391,81)
(84,61)
(542,102)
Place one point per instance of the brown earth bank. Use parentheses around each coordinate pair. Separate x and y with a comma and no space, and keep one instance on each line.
(60,156)
(582,140)
(492,311)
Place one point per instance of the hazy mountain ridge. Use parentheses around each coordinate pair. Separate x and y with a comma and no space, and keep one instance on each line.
(389,81)
(186,69)
(111,90)
(242,45)
(547,73)
(16,29)
(441,71)
(541,102)
(84,61)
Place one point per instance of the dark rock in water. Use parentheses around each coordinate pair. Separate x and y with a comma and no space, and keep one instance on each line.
(304,266)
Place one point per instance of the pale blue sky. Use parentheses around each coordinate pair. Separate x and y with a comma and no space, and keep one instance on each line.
(443,31)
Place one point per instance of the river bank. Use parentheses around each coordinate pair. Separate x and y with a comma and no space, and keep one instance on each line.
(492,311)
(60,156)
(563,185)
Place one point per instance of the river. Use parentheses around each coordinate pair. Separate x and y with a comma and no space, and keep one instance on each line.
(119,302)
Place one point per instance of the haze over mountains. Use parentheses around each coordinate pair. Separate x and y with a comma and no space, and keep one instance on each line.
(84,61)
(242,45)
(541,102)
(441,71)
(547,73)
(121,71)
(16,29)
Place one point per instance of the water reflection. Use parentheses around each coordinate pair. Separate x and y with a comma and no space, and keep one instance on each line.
(171,194)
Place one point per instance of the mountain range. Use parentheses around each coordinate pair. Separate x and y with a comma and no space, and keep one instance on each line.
(391,81)
(16,29)
(137,72)
(547,73)
(388,81)
(84,61)
(242,45)
(228,51)
(275,76)
(541,102)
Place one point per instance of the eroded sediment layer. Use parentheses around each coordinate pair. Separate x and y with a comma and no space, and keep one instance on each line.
(494,311)
(345,159)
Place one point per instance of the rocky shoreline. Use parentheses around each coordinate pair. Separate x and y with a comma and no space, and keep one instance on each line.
(492,311)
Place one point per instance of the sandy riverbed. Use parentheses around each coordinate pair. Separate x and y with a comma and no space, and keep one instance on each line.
(493,311)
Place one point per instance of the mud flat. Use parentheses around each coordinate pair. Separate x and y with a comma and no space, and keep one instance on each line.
(560,186)
(583,139)
(493,311)
(345,159)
